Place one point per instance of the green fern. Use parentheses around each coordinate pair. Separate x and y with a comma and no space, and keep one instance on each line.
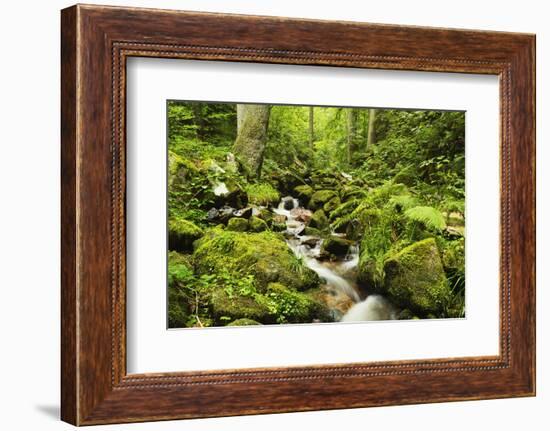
(345,208)
(429,216)
(403,202)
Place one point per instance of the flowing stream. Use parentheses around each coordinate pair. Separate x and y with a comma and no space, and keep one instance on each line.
(339,276)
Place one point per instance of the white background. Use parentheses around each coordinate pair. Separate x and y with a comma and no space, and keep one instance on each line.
(151,348)
(29,218)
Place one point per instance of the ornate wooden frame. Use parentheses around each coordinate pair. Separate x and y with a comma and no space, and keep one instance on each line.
(96,41)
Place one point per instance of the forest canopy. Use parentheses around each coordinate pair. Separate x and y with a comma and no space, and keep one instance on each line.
(301,214)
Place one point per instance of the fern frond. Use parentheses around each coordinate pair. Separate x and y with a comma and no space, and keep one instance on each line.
(429,216)
(345,208)
(403,202)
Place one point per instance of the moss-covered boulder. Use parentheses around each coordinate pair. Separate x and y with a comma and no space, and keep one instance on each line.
(336,246)
(303,193)
(262,194)
(331,205)
(227,307)
(320,198)
(182,233)
(237,224)
(319,220)
(415,279)
(256,224)
(244,322)
(291,306)
(180,170)
(264,255)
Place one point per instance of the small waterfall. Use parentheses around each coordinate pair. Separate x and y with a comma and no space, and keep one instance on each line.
(332,279)
(310,254)
(334,274)
(352,259)
(375,307)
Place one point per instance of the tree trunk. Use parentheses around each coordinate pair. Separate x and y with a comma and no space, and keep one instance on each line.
(240,116)
(249,147)
(352,132)
(311,130)
(371,139)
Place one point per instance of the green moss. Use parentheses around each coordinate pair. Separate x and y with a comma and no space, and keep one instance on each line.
(256,224)
(376,242)
(303,193)
(319,220)
(331,205)
(244,322)
(262,194)
(336,246)
(237,224)
(294,307)
(182,233)
(179,168)
(265,256)
(319,198)
(228,307)
(180,294)
(415,279)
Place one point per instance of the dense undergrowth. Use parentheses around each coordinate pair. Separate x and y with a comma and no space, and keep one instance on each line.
(401,199)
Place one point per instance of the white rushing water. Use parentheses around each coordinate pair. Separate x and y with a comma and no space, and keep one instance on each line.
(310,254)
(308,248)
(375,307)
(332,278)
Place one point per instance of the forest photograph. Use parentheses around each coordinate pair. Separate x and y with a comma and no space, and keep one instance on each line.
(286,214)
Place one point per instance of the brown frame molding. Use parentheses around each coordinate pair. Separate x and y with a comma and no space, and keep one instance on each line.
(95,43)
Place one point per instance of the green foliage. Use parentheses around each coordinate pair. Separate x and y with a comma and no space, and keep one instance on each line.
(415,279)
(263,255)
(429,216)
(182,233)
(262,194)
(406,187)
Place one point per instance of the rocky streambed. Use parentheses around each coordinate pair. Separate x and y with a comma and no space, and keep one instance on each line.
(334,259)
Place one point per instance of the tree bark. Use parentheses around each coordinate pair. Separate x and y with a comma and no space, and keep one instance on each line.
(371,139)
(311,129)
(240,116)
(249,147)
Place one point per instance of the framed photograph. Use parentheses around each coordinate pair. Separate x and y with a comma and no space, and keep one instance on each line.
(321,214)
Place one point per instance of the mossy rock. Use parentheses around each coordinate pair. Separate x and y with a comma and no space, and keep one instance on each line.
(256,224)
(226,307)
(319,220)
(182,233)
(331,205)
(303,193)
(180,170)
(415,279)
(244,322)
(295,307)
(265,214)
(264,255)
(237,224)
(336,246)
(320,198)
(262,194)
